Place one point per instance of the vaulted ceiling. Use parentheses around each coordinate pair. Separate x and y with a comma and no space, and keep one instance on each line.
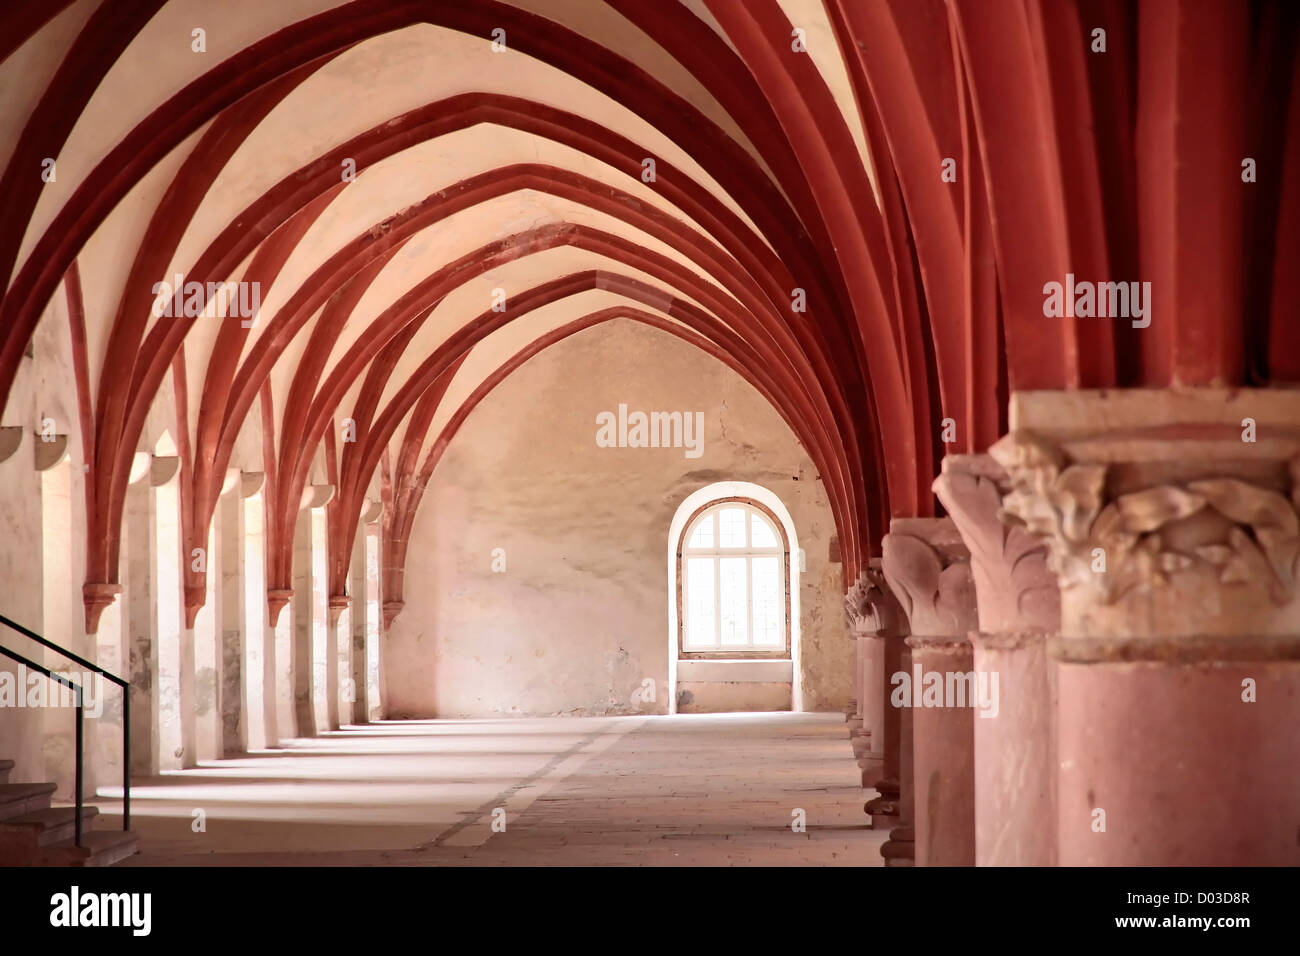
(854,203)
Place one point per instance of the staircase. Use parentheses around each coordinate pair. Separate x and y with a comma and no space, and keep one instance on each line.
(33,833)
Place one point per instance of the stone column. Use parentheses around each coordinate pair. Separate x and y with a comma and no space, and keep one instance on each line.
(365,612)
(340,616)
(900,848)
(928,569)
(879,627)
(376,626)
(1171,518)
(22,729)
(104,742)
(1019,606)
(205,627)
(236,716)
(867,741)
(171,691)
(860,727)
(282,719)
(315,674)
(138,614)
(246,709)
(361,613)
(853,712)
(304,637)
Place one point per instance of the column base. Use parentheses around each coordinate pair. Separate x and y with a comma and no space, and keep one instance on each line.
(861,743)
(872,766)
(900,848)
(884,809)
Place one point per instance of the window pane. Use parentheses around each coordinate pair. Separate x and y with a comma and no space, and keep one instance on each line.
(735,606)
(734,599)
(701,628)
(702,537)
(761,532)
(731,527)
(769,606)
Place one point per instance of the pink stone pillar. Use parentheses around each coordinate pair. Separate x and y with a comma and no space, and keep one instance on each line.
(340,622)
(885,808)
(868,742)
(943,757)
(900,848)
(1014,730)
(1171,518)
(1015,752)
(928,568)
(853,712)
(878,622)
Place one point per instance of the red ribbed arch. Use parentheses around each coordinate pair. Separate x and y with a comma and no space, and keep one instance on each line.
(374,438)
(407,505)
(328,33)
(803,243)
(428,292)
(842,191)
(164,337)
(365,248)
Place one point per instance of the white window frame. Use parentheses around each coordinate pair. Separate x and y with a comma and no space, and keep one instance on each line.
(749,551)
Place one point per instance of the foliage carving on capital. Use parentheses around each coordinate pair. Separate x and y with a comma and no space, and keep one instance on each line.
(1225,531)
(936,590)
(870,606)
(1017,591)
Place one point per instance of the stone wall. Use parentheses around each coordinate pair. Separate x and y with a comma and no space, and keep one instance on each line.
(579,617)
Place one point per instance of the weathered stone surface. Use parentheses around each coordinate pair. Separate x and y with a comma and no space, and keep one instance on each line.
(1016,589)
(1019,604)
(1178,661)
(576,621)
(927,566)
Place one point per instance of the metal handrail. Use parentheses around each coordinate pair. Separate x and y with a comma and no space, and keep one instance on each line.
(76,689)
(126,713)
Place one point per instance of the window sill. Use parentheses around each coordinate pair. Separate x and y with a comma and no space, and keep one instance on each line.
(736,671)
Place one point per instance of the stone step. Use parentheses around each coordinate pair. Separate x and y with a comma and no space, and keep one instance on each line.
(98,848)
(19,798)
(48,826)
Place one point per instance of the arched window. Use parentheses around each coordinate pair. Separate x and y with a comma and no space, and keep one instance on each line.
(732,574)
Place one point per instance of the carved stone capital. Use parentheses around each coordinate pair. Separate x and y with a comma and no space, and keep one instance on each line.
(277,599)
(251,482)
(196,596)
(11,436)
(50,451)
(1179,529)
(391,610)
(928,568)
(316,496)
(1016,589)
(871,608)
(337,604)
(97,596)
(163,468)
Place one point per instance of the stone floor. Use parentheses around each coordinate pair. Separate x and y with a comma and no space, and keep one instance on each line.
(687,790)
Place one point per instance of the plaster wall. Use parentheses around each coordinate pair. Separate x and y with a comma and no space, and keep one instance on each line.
(43,556)
(576,622)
